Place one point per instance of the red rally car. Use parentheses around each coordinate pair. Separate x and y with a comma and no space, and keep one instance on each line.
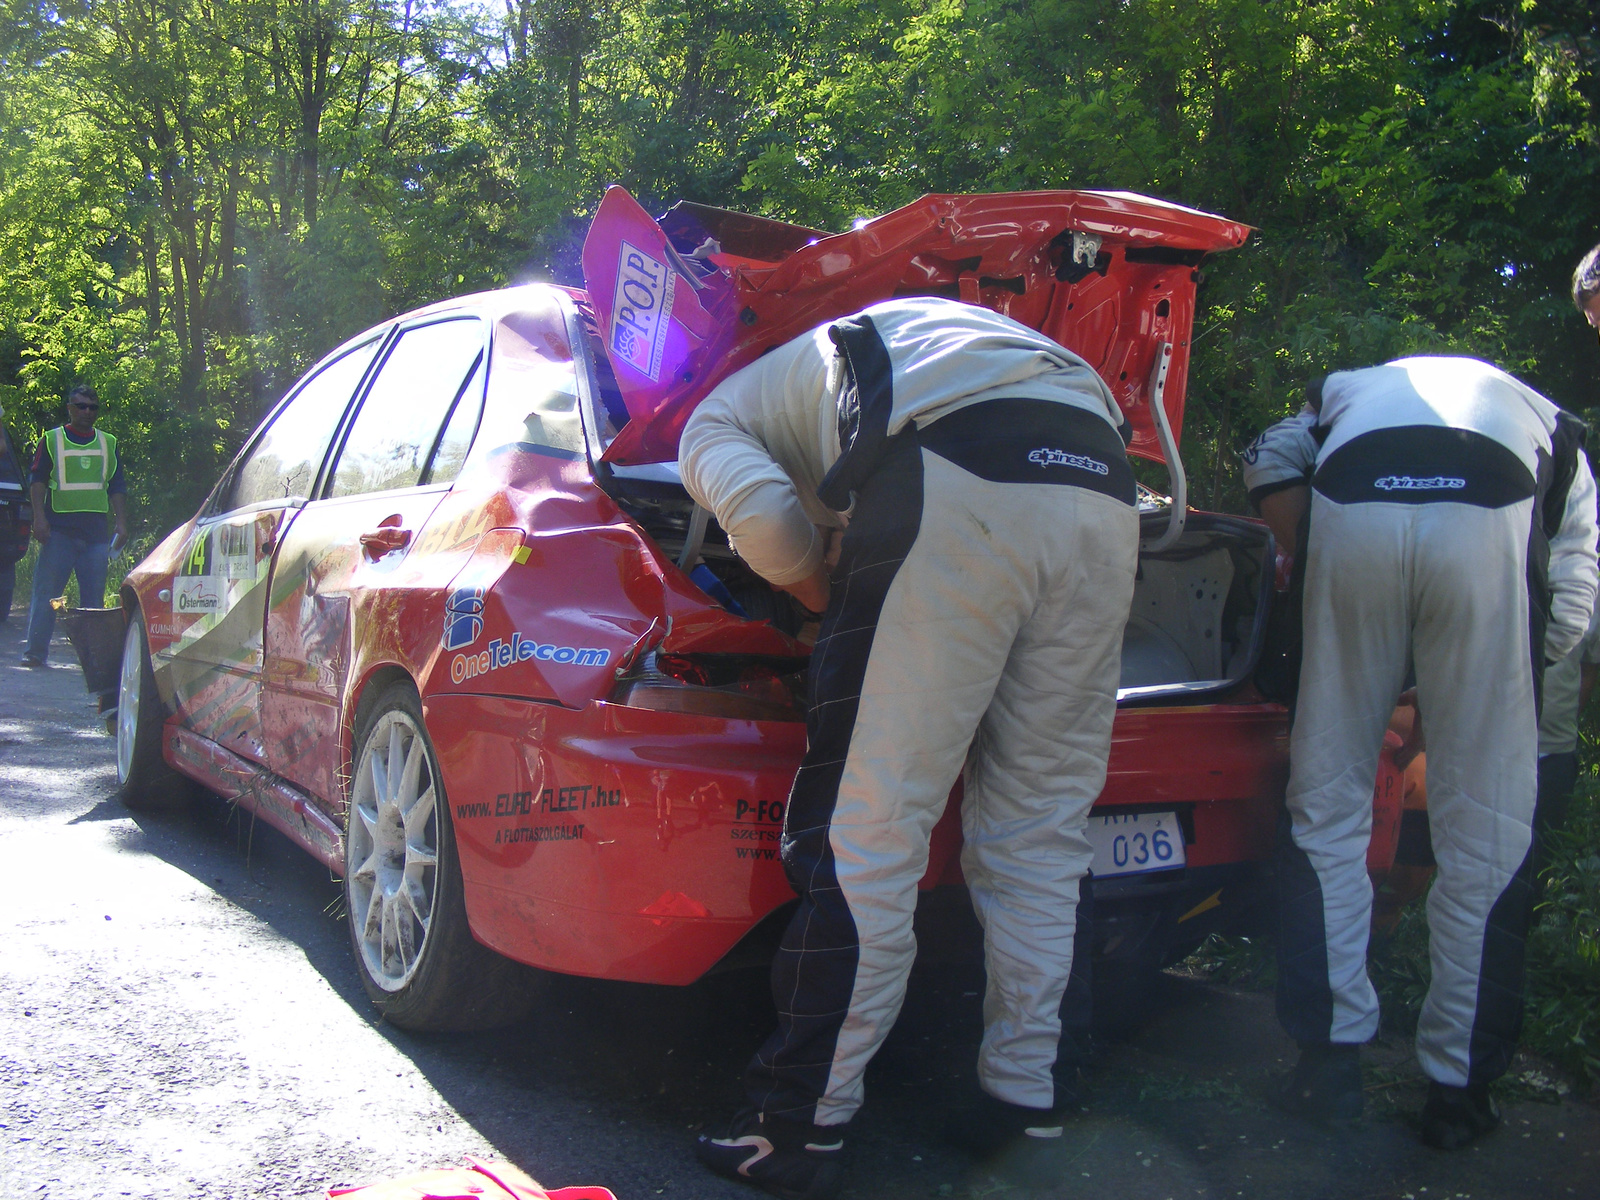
(451,622)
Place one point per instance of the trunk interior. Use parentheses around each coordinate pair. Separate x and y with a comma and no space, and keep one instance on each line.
(1199,606)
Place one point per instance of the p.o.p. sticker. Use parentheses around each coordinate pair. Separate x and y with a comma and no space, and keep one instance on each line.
(641,305)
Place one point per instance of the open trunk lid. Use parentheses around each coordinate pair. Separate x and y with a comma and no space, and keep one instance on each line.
(683,303)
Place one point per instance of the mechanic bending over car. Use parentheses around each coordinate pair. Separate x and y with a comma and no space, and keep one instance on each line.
(1451,526)
(979,601)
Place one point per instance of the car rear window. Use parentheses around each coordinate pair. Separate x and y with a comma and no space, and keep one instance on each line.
(534,408)
(531,402)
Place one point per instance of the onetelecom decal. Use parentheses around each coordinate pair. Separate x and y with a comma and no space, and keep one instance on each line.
(499,653)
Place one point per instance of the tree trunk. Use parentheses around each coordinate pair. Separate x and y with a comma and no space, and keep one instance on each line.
(574,105)
(150,252)
(519,14)
(1224,432)
(229,318)
(314,50)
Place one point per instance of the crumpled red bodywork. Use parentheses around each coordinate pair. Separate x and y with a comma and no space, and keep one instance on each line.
(683,307)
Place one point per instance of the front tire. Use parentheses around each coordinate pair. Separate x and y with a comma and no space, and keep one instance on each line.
(144,780)
(414,949)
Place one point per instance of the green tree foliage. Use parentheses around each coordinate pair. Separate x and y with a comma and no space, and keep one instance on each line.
(200,197)
(1422,176)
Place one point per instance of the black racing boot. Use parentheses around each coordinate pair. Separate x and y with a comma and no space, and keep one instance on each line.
(1325,1084)
(1456,1116)
(1071,1086)
(1020,1143)
(790,1159)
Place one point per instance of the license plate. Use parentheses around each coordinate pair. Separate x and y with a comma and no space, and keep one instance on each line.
(1133,843)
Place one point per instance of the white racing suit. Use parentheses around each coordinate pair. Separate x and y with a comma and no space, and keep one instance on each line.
(979,603)
(1452,529)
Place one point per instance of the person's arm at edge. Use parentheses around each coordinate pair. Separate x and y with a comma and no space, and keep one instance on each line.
(119,513)
(1589,658)
(117,495)
(1588,673)
(1277,468)
(1282,511)
(1573,573)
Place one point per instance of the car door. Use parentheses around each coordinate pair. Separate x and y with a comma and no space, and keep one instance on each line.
(210,643)
(342,567)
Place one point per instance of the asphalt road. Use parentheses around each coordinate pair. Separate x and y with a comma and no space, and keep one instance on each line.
(179,1017)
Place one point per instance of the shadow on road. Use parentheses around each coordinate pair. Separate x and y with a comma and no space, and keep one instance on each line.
(607,1082)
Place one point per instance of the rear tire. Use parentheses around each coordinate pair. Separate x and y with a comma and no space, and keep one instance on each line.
(145,782)
(413,946)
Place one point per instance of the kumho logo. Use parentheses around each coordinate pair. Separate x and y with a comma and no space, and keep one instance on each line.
(499,653)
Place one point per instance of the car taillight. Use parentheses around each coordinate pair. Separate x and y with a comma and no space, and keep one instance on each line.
(736,687)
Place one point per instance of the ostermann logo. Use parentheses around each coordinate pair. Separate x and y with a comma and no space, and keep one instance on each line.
(201,595)
(502,653)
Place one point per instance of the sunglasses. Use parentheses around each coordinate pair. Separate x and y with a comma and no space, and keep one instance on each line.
(86,407)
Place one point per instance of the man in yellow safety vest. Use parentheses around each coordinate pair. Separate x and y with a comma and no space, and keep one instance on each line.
(76,481)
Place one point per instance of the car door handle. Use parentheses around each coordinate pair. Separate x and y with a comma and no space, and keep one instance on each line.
(385,538)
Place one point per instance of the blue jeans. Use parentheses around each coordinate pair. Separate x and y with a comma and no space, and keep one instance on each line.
(8,584)
(58,559)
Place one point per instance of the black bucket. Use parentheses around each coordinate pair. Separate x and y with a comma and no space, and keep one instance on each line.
(96,635)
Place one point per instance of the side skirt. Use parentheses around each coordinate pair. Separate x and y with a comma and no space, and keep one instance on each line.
(274,799)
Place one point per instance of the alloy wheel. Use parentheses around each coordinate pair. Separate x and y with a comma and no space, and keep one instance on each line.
(129,693)
(392,854)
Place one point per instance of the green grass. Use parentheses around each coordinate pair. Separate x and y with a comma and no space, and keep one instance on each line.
(1169,1085)
(1562,1021)
(1562,1018)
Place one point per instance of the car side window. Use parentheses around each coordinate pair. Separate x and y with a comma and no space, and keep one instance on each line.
(399,420)
(283,464)
(458,430)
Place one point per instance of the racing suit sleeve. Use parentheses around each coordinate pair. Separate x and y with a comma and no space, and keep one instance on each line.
(755,451)
(1573,573)
(1282,457)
